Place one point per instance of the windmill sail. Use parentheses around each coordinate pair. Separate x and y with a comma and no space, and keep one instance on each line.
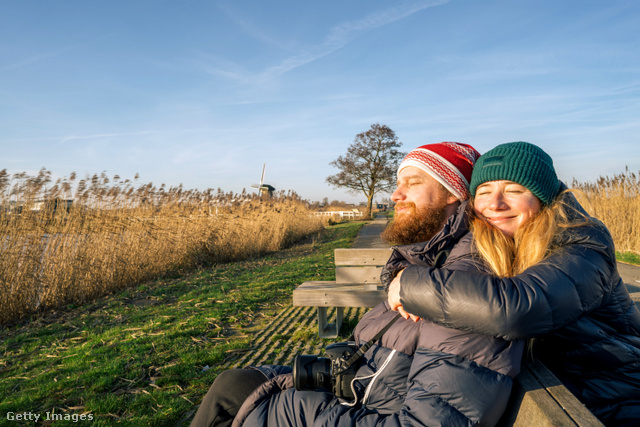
(264,166)
(262,187)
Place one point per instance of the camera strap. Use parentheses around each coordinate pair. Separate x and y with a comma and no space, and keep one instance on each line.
(366,346)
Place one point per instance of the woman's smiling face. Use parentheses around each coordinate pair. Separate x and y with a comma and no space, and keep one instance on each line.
(505,204)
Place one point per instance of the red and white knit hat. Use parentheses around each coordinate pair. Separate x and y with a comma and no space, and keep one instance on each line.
(449,163)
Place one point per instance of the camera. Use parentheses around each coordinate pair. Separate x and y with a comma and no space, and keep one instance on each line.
(331,373)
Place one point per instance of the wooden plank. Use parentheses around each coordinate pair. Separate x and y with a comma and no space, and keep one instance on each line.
(574,408)
(330,294)
(357,275)
(531,405)
(362,256)
(539,398)
(316,284)
(329,285)
(339,299)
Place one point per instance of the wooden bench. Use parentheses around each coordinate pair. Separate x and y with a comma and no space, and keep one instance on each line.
(538,397)
(357,284)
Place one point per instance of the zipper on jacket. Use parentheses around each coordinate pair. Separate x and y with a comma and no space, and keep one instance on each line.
(373,377)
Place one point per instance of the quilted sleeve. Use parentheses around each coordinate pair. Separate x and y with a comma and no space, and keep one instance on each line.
(573,280)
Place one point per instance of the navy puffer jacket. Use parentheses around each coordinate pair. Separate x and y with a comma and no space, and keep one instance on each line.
(417,374)
(574,303)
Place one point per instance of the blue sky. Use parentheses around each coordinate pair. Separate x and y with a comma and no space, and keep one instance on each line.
(202,93)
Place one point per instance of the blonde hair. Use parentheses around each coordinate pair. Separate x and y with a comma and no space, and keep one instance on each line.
(532,242)
(507,256)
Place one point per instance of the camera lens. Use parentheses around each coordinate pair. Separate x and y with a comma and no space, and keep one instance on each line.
(311,372)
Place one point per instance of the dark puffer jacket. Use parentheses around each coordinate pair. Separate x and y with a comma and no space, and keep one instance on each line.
(418,373)
(574,303)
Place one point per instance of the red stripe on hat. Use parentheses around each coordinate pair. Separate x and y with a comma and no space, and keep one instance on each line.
(462,156)
(433,163)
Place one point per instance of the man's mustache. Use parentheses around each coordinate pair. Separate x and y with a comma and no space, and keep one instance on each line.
(403,205)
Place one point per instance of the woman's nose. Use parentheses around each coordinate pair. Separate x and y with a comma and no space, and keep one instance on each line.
(497,202)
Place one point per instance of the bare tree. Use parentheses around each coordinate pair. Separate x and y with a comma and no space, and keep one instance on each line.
(370,164)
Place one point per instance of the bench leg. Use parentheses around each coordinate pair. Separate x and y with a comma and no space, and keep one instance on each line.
(329,330)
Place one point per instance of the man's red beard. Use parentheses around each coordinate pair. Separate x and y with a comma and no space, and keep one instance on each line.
(419,225)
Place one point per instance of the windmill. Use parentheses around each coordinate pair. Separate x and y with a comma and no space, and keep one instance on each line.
(262,187)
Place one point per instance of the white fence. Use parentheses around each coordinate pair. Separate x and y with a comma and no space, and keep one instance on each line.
(354,214)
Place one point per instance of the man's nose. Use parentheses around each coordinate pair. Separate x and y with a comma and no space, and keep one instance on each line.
(398,195)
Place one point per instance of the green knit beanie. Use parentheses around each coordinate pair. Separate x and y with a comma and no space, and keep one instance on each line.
(520,162)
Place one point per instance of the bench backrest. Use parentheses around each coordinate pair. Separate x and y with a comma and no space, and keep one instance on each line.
(360,266)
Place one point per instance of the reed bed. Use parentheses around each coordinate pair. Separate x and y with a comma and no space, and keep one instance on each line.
(616,202)
(118,233)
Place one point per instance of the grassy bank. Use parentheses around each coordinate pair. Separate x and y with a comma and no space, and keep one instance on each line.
(140,356)
(628,257)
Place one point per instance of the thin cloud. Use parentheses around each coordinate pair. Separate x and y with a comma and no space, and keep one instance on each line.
(71,138)
(48,55)
(252,29)
(345,32)
(342,34)
(36,58)
(338,37)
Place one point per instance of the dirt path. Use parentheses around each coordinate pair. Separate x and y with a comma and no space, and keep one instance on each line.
(631,276)
(369,236)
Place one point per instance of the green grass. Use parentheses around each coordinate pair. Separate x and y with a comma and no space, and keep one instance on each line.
(138,357)
(628,257)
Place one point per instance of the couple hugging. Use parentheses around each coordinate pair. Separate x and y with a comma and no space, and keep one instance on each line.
(495,260)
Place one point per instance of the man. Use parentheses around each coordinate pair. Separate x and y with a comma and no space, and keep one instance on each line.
(417,373)
(432,182)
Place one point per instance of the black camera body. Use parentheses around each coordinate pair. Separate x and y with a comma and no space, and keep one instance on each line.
(332,374)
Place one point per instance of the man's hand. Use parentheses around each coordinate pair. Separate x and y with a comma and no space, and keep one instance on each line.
(394,299)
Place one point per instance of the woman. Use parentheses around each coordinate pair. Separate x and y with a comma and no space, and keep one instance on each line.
(554,280)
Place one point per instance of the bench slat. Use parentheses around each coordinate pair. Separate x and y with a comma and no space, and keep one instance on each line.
(531,405)
(331,294)
(364,256)
(357,275)
(567,400)
(539,399)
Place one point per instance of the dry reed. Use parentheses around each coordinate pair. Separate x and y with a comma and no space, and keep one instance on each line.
(616,202)
(116,233)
